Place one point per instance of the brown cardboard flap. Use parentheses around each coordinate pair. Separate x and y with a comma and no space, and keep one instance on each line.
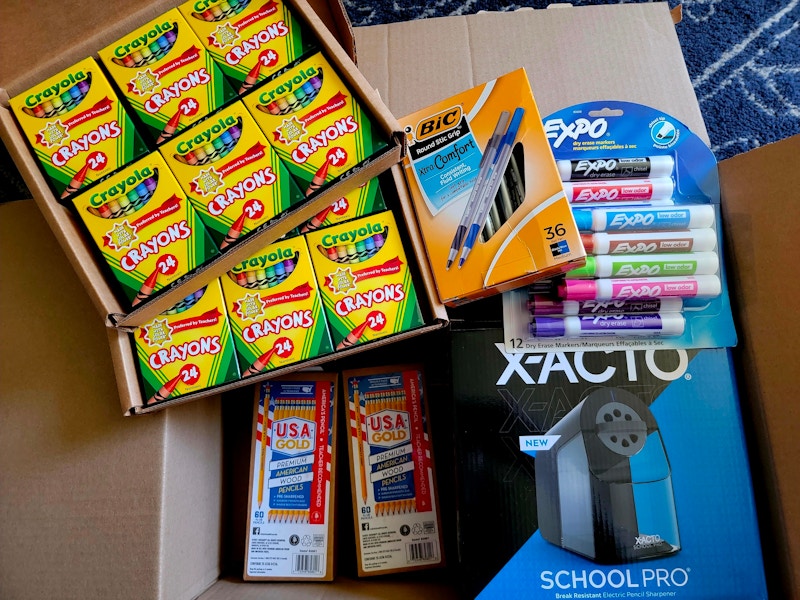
(761,219)
(429,60)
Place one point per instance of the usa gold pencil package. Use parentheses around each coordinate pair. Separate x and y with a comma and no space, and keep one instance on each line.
(166,75)
(364,279)
(249,40)
(231,174)
(290,525)
(316,124)
(145,228)
(487,193)
(392,475)
(275,308)
(187,348)
(360,202)
(77,127)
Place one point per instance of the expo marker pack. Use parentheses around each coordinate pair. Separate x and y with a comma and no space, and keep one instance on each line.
(147,231)
(364,279)
(292,484)
(77,127)
(275,309)
(486,192)
(392,475)
(249,39)
(166,75)
(316,124)
(187,348)
(231,174)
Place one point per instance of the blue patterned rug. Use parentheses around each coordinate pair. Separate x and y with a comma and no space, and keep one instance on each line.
(743,58)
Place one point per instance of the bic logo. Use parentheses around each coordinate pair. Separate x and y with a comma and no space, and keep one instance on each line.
(447,119)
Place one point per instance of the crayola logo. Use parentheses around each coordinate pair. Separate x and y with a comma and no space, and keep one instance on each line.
(388,428)
(119,187)
(264,260)
(124,49)
(287,85)
(447,119)
(204,136)
(55,89)
(352,235)
(293,435)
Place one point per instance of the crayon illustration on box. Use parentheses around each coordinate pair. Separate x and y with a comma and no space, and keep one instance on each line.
(363,276)
(392,475)
(292,480)
(486,191)
(145,228)
(187,348)
(231,174)
(275,309)
(249,40)
(167,77)
(317,126)
(644,193)
(360,202)
(77,127)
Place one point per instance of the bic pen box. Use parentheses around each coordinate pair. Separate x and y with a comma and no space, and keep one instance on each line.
(486,192)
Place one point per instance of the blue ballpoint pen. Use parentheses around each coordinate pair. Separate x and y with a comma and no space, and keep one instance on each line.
(485,164)
(484,202)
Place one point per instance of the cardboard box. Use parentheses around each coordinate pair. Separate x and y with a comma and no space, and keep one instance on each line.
(586,465)
(92,272)
(141,509)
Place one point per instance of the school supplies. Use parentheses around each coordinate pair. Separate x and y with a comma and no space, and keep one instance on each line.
(77,127)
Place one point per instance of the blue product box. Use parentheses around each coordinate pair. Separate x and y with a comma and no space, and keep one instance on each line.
(611,474)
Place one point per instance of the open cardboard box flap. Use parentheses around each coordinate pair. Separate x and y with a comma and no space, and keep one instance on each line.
(102,506)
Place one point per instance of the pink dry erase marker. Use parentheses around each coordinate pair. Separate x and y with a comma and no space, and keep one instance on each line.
(697,286)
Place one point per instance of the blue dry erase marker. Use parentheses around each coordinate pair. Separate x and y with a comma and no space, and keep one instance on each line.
(699,216)
(493,183)
(485,164)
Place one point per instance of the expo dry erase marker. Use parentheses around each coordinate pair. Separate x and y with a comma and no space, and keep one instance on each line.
(691,240)
(690,286)
(647,265)
(485,164)
(615,168)
(696,216)
(618,190)
(655,325)
(543,306)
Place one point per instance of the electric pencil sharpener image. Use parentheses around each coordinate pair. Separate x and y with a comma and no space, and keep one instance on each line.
(604,490)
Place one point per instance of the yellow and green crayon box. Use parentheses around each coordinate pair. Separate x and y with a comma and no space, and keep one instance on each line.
(77,127)
(275,308)
(314,122)
(364,279)
(187,348)
(231,174)
(249,40)
(364,200)
(145,228)
(167,76)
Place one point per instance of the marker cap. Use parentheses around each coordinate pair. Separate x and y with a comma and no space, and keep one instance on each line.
(546,327)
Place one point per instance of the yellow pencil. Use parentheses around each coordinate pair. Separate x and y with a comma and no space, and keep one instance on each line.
(357,411)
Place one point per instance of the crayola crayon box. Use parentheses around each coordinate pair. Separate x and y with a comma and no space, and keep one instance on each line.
(147,231)
(360,202)
(290,522)
(603,474)
(275,308)
(187,348)
(486,191)
(316,124)
(392,474)
(249,40)
(364,279)
(166,75)
(231,174)
(77,127)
